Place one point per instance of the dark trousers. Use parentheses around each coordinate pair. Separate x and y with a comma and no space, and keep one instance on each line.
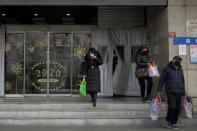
(145,86)
(174,107)
(93,95)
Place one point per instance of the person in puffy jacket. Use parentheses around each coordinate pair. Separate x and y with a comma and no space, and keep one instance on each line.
(146,83)
(91,73)
(173,78)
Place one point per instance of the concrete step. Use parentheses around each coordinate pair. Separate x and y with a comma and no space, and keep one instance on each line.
(75,106)
(79,113)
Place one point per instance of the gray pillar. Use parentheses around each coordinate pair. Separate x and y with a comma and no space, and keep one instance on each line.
(2,59)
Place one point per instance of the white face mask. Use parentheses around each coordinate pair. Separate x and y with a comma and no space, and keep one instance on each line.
(91,55)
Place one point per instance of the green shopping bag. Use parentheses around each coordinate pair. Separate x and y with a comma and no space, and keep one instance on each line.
(83,88)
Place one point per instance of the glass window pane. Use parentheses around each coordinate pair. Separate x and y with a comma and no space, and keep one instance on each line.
(81,45)
(14,63)
(60,63)
(36,63)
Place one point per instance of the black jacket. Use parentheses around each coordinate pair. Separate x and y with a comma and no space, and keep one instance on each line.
(173,79)
(92,72)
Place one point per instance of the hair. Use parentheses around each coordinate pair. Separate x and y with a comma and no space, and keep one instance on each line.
(141,48)
(94,51)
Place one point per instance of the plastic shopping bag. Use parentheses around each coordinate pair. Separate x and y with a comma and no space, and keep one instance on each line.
(82,89)
(153,71)
(187,108)
(154,108)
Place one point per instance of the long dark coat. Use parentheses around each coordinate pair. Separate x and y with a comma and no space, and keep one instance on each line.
(92,72)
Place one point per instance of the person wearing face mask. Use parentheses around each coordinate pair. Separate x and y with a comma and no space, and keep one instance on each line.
(145,82)
(173,78)
(91,73)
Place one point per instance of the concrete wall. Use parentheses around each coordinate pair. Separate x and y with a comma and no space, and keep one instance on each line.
(157,23)
(158,34)
(179,12)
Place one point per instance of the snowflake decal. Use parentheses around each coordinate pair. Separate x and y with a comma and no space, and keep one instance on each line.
(17,68)
(8,86)
(79,52)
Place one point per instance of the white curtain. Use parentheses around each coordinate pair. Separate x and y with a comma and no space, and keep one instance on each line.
(123,81)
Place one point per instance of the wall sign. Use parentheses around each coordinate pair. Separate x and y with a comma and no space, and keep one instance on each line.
(193,54)
(185,40)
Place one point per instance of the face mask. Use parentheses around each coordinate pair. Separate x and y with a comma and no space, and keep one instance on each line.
(177,63)
(144,52)
(91,55)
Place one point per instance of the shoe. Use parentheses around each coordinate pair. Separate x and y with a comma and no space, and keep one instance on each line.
(168,125)
(94,104)
(175,126)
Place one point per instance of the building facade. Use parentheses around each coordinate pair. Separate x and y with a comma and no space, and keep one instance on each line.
(42,44)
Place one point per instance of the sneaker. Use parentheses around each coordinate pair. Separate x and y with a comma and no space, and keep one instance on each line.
(168,125)
(175,126)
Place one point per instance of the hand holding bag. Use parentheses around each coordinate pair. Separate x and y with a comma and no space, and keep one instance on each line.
(187,108)
(83,88)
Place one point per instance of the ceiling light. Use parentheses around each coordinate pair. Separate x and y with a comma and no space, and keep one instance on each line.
(36,14)
(68,14)
(3,14)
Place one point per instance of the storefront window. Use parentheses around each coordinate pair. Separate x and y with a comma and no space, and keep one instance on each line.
(60,63)
(81,45)
(50,62)
(14,63)
(36,63)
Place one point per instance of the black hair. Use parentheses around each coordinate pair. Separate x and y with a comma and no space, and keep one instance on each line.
(94,51)
(141,48)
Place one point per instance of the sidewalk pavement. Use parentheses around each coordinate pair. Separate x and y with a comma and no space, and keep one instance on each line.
(94,128)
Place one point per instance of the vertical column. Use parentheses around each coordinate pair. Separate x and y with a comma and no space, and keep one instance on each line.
(2,59)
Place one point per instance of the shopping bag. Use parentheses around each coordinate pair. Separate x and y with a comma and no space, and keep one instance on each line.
(83,88)
(154,108)
(187,108)
(153,71)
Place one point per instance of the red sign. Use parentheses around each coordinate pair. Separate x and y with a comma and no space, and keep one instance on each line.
(171,34)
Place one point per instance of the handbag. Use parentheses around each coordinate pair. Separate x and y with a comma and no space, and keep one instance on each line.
(82,89)
(141,72)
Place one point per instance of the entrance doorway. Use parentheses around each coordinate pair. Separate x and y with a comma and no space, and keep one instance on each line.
(44,63)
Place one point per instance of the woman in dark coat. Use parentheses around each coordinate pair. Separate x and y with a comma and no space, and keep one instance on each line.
(142,61)
(92,73)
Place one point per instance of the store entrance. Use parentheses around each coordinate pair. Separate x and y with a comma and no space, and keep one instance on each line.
(44,63)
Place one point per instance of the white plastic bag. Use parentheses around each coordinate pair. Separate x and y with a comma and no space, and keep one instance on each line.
(154,108)
(187,108)
(153,71)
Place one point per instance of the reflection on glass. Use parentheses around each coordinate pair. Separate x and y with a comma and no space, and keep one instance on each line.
(60,63)
(36,63)
(14,63)
(81,44)
(47,58)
